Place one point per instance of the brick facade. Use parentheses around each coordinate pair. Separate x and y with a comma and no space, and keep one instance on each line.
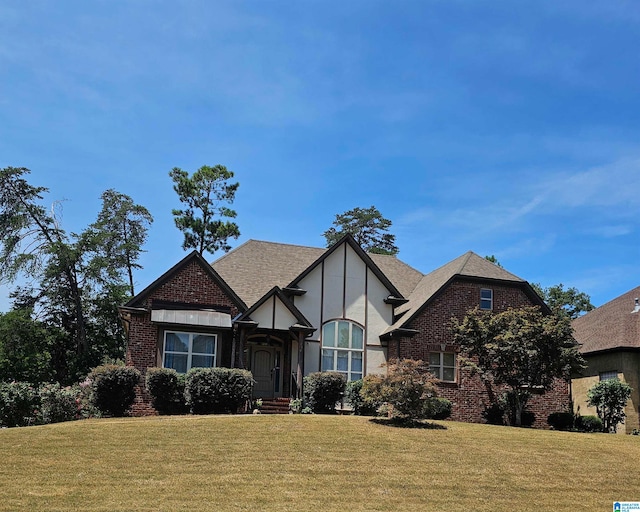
(469,394)
(191,285)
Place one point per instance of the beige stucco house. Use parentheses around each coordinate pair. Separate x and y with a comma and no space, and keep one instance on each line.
(610,342)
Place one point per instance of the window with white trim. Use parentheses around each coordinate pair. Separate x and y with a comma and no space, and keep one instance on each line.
(608,375)
(443,365)
(185,350)
(343,348)
(486,298)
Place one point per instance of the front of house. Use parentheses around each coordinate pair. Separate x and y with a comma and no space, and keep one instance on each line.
(284,311)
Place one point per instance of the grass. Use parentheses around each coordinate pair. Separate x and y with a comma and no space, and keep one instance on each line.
(308,463)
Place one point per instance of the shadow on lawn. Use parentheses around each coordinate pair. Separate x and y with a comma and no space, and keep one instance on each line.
(407,424)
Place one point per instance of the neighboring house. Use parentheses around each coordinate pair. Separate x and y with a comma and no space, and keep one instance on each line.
(610,342)
(284,311)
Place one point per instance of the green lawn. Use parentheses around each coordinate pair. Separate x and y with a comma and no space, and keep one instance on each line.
(310,463)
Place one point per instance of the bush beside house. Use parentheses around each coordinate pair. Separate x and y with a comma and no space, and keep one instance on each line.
(218,390)
(322,390)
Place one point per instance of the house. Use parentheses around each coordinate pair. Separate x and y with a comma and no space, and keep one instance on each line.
(283,311)
(610,342)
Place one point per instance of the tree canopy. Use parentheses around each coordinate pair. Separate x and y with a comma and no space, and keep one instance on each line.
(117,236)
(205,195)
(570,302)
(493,260)
(74,289)
(520,348)
(609,397)
(367,226)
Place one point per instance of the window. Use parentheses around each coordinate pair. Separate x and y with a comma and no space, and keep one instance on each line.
(342,348)
(608,375)
(486,299)
(186,350)
(443,365)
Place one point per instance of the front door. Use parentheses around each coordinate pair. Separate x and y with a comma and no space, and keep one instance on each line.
(265,367)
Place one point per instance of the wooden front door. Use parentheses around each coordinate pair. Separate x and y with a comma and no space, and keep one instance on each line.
(266,372)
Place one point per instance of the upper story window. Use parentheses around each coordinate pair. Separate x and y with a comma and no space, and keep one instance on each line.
(343,348)
(608,375)
(443,365)
(486,298)
(186,350)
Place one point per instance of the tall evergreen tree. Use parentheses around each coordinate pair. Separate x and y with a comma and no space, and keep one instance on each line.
(205,195)
(367,226)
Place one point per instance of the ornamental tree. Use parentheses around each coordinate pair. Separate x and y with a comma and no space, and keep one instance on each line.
(407,392)
(205,195)
(522,349)
(609,397)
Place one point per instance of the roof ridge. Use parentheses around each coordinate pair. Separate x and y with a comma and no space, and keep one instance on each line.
(465,259)
(265,242)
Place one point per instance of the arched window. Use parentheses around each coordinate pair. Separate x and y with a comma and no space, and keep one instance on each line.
(342,348)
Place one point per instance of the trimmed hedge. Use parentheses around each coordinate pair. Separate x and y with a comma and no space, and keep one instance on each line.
(322,390)
(217,390)
(113,388)
(561,420)
(360,406)
(166,387)
(436,408)
(588,423)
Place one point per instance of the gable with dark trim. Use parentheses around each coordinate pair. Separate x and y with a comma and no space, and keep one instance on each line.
(192,258)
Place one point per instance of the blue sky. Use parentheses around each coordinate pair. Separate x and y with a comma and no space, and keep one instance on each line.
(503,127)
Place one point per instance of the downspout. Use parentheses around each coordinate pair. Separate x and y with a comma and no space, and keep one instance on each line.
(299,369)
(233,345)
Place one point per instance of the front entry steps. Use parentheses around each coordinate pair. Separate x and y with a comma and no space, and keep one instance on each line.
(275,406)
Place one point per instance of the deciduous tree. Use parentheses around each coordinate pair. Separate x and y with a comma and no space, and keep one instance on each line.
(76,281)
(519,348)
(570,302)
(367,226)
(117,236)
(205,195)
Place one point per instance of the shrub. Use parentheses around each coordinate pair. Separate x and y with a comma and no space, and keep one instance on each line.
(360,405)
(19,404)
(59,404)
(217,390)
(436,408)
(561,420)
(113,388)
(404,391)
(588,423)
(322,390)
(166,387)
(493,414)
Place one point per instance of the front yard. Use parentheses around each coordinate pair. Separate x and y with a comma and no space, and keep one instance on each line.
(308,463)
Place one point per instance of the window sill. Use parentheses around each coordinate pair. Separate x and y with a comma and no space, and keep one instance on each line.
(447,384)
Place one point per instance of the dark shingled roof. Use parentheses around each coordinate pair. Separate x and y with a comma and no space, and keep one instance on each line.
(467,265)
(255,267)
(611,326)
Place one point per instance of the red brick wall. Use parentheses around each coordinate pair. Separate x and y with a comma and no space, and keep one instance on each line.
(191,285)
(469,394)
